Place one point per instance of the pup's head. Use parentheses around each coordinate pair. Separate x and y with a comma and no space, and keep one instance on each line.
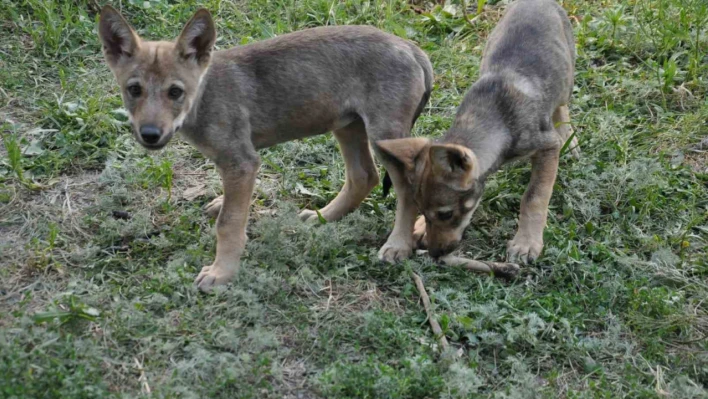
(445,187)
(159,80)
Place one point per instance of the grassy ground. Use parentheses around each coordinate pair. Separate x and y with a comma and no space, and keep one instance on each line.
(95,305)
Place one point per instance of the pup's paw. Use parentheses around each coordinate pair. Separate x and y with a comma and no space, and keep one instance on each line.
(575,151)
(395,251)
(214,207)
(308,216)
(211,276)
(523,249)
(419,236)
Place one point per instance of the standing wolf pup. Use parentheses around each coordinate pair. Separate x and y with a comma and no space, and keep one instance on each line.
(357,81)
(518,108)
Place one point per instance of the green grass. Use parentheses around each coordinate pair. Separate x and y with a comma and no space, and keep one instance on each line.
(97,306)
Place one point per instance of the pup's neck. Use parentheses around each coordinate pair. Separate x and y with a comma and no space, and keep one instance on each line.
(486,120)
(489,150)
(194,110)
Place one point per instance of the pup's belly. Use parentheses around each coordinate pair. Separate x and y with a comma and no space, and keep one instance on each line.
(298,129)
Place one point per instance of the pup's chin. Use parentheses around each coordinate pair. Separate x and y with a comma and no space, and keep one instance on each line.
(156,146)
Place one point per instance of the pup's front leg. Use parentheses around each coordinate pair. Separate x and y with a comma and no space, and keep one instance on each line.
(399,245)
(528,241)
(239,176)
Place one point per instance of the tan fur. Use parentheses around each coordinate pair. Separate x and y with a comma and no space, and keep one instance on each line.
(443,157)
(401,238)
(516,109)
(528,241)
(561,121)
(156,66)
(441,175)
(230,226)
(429,171)
(361,174)
(364,84)
(404,151)
(419,232)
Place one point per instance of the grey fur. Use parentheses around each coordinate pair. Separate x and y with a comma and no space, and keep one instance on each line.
(532,42)
(308,83)
(516,109)
(357,81)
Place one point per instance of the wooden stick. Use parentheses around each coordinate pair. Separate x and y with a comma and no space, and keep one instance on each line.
(464,14)
(431,317)
(506,270)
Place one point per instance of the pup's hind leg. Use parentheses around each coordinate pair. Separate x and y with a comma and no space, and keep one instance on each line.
(561,121)
(528,241)
(361,173)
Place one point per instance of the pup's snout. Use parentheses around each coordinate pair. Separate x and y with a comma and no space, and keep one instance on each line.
(150,134)
(440,251)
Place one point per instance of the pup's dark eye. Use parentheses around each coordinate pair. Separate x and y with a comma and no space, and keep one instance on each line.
(445,215)
(175,93)
(135,90)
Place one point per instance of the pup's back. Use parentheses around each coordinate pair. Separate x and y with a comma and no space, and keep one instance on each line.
(311,81)
(534,39)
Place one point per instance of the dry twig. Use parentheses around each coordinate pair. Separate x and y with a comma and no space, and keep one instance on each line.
(145,387)
(431,317)
(466,15)
(500,269)
(505,270)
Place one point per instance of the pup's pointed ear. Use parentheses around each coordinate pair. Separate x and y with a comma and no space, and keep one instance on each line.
(404,151)
(197,38)
(453,164)
(119,40)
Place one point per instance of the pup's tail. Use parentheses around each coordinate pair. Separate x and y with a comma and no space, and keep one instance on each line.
(427,68)
(386,184)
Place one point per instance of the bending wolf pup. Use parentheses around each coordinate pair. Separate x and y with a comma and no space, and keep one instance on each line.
(517,108)
(361,83)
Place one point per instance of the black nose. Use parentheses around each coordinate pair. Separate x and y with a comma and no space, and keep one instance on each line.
(437,252)
(150,134)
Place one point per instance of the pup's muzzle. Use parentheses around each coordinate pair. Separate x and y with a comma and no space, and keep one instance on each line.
(150,134)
